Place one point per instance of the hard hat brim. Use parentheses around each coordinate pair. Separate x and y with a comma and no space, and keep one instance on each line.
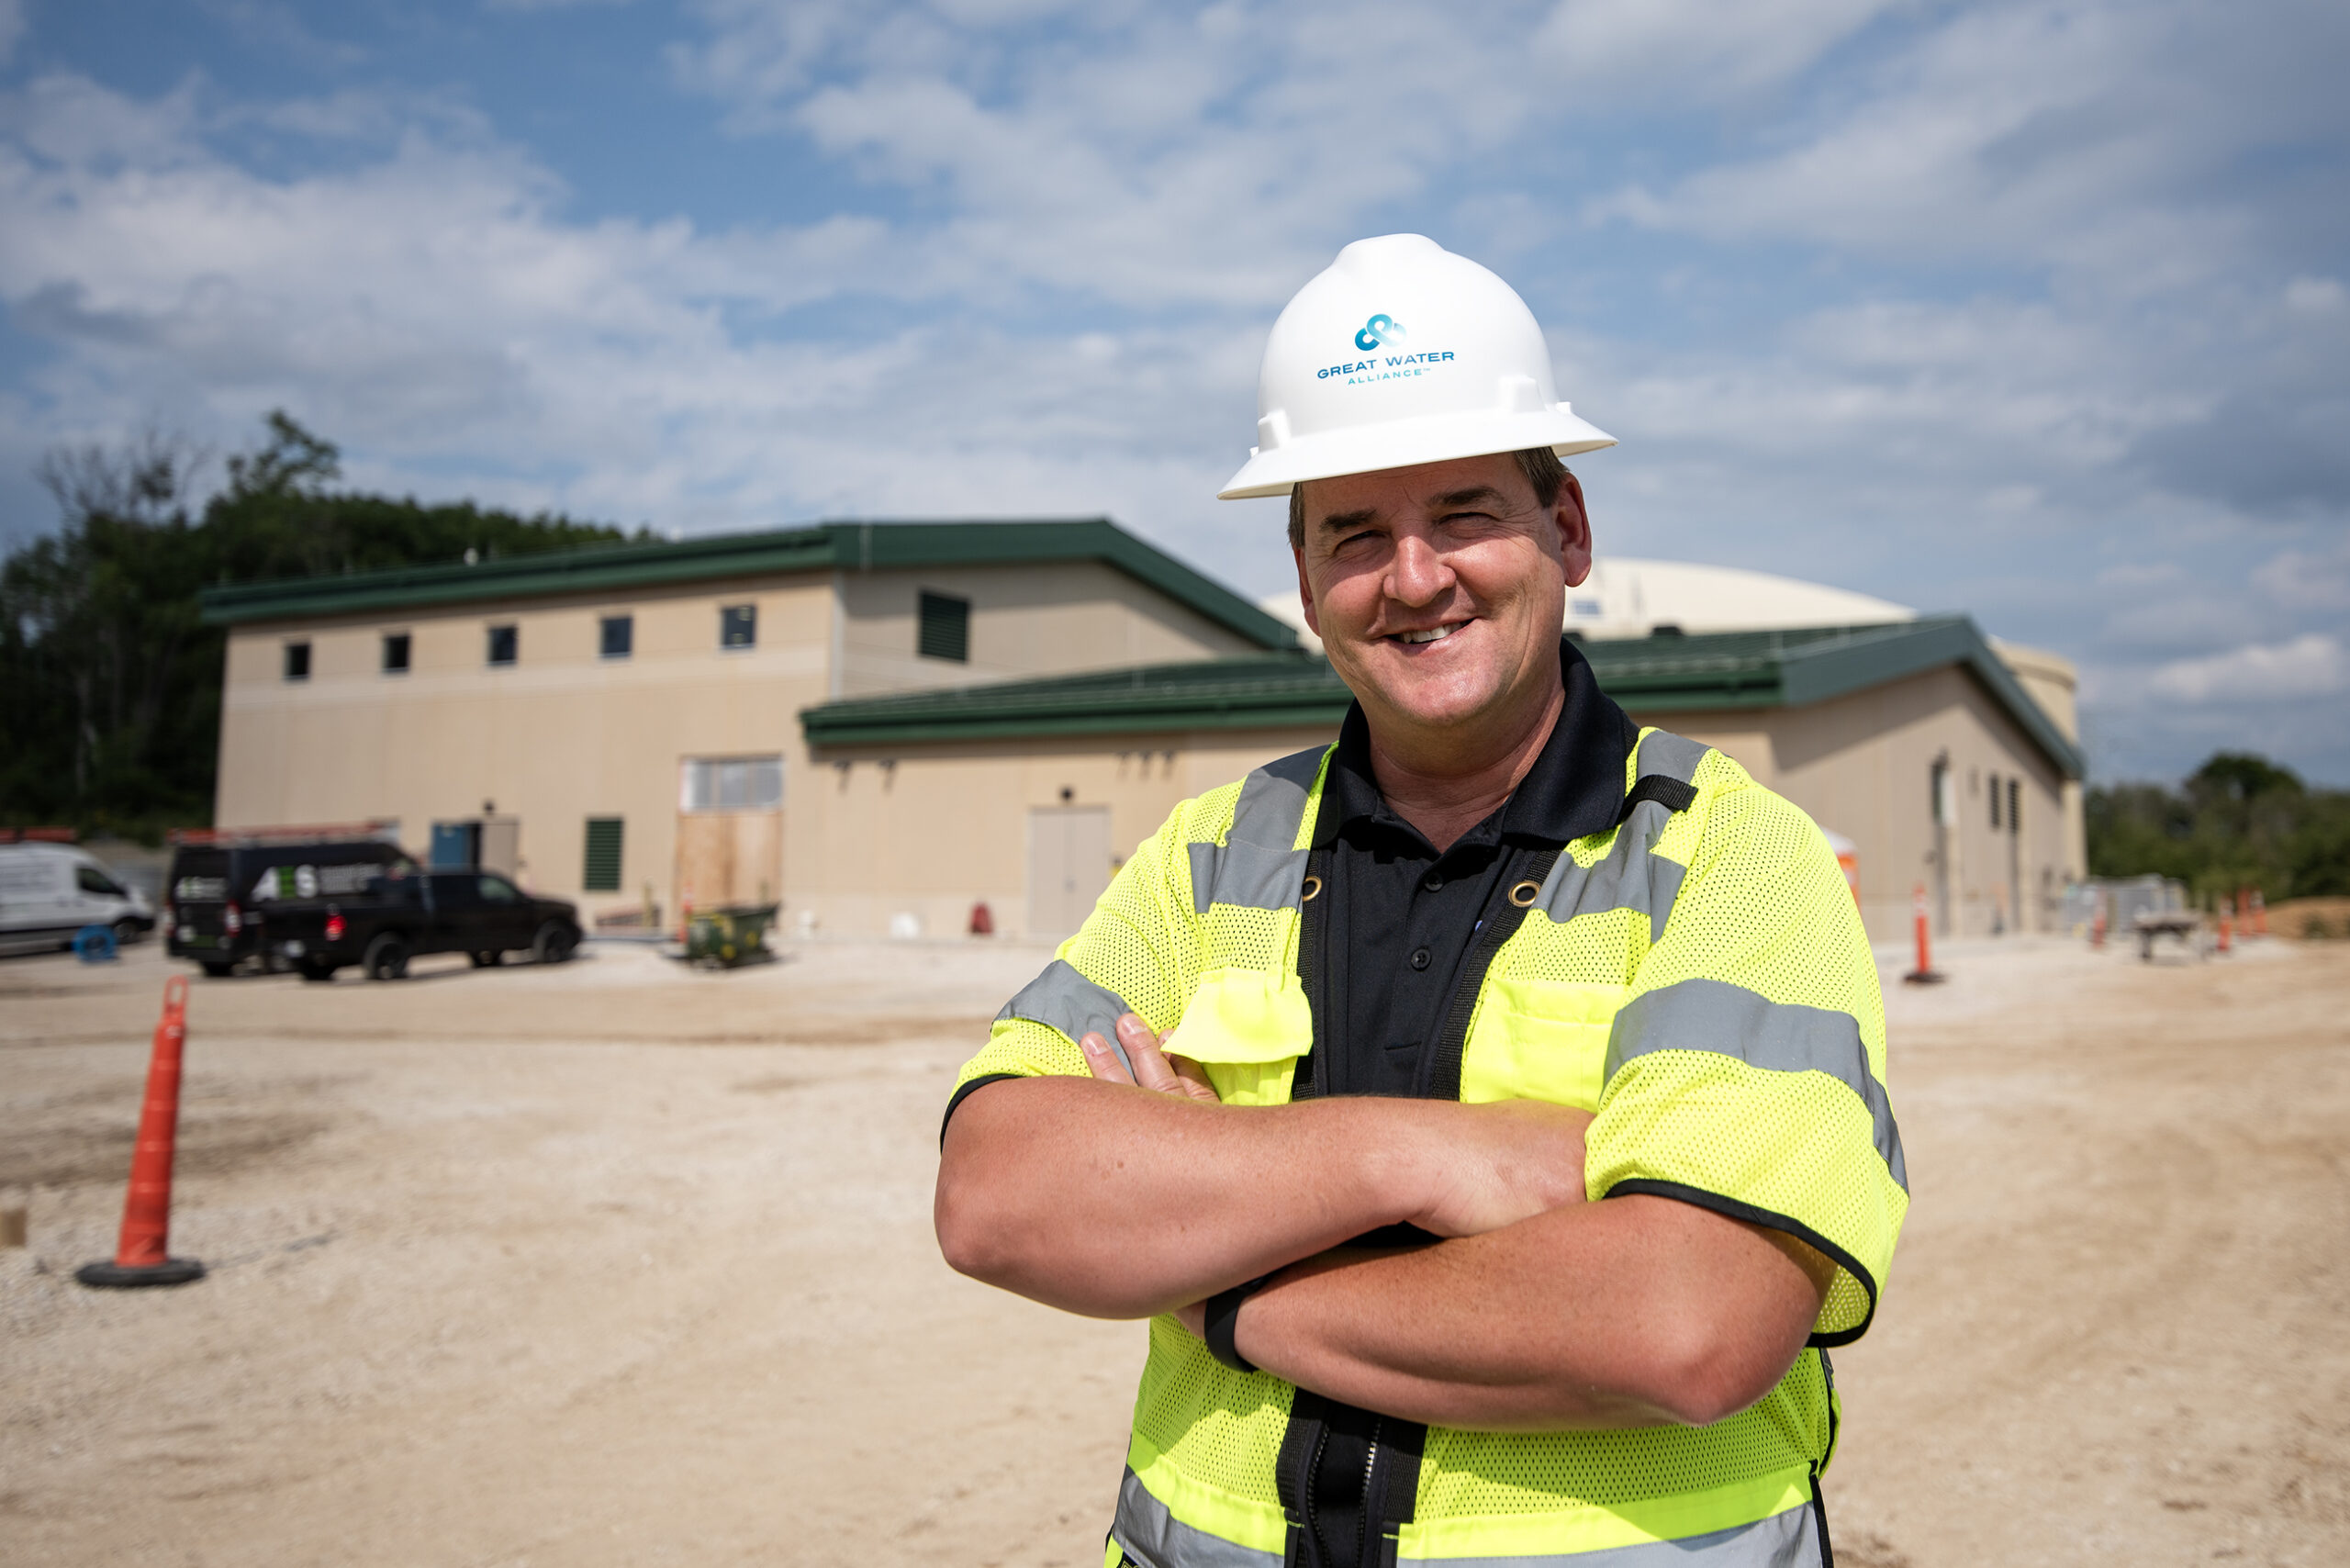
(1406,444)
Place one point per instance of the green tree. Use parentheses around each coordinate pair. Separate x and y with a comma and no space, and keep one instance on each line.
(111,718)
(2238,820)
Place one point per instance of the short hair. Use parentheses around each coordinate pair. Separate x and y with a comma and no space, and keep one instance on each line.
(1540,466)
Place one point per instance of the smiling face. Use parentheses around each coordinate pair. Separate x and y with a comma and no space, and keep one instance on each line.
(1437,592)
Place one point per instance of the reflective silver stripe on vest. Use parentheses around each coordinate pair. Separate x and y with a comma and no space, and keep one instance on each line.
(1629,876)
(1255,867)
(1063,999)
(1789,1539)
(1157,1538)
(1783,1037)
(1676,756)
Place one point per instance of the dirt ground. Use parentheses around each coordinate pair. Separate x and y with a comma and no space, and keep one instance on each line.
(617,1264)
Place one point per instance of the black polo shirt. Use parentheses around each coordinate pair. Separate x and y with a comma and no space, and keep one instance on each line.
(1401,916)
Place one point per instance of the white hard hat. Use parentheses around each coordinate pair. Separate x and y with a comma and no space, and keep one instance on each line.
(1402,352)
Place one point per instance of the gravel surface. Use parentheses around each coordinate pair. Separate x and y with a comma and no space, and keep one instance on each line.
(619,1262)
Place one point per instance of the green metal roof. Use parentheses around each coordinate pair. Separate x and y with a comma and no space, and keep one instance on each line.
(1648,675)
(825,547)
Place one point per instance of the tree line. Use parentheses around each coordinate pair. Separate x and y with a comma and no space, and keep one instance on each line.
(2239,821)
(109,682)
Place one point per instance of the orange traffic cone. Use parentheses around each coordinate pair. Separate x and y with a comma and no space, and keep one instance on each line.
(143,1255)
(1925,973)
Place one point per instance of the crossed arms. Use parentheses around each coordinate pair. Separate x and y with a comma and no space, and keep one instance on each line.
(1540,1311)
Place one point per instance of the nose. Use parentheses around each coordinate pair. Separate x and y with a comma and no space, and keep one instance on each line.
(1418,573)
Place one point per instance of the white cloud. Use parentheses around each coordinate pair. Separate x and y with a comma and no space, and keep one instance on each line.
(2122,140)
(2314,296)
(2313,666)
(1621,50)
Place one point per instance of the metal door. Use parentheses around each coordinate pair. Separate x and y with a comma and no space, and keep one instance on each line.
(455,845)
(1069,865)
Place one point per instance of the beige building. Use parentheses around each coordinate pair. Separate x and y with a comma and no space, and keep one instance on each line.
(882,726)
(621,724)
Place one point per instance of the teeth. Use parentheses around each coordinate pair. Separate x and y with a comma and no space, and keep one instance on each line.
(1433,635)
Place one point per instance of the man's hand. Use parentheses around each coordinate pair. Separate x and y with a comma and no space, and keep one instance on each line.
(1492,1166)
(1153,1068)
(1497,1164)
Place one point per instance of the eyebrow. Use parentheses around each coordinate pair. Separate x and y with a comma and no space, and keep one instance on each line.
(1338,522)
(1467,497)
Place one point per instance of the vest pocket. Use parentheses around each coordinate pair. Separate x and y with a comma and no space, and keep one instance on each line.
(1537,1039)
(1248,1029)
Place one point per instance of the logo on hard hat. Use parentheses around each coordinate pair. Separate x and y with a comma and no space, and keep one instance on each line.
(1378,332)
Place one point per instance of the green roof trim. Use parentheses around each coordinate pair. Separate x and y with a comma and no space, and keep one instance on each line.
(823,547)
(1650,674)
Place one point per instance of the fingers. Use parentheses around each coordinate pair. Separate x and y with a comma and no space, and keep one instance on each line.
(1101,1062)
(1152,1068)
(1150,1062)
(1195,1080)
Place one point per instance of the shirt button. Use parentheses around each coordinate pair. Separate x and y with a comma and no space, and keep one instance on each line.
(1431,881)
(1420,958)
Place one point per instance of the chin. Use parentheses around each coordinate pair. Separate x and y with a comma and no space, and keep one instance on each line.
(1440,700)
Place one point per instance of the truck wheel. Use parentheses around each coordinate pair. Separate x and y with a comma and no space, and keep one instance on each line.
(490,958)
(313,970)
(386,957)
(219,971)
(555,942)
(126,931)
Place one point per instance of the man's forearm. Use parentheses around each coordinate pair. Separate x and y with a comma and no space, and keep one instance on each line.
(1115,1202)
(1638,1311)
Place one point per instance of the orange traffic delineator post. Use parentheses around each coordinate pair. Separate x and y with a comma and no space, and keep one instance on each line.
(1925,973)
(143,1255)
(2227,921)
(2096,920)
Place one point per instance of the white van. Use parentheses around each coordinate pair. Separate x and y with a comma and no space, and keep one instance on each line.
(49,892)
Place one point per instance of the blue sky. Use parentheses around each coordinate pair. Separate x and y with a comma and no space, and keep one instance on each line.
(2035,309)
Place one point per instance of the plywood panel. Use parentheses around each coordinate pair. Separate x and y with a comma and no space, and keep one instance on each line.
(730,857)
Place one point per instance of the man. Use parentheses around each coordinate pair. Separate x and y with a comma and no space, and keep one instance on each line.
(1487,1111)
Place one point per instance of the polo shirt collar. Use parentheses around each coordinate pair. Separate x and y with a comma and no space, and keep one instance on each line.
(1575,788)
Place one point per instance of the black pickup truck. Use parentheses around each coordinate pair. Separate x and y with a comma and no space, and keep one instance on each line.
(404,912)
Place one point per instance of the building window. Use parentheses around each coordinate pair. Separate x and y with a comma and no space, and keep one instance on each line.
(502,645)
(395,652)
(2015,806)
(297,661)
(946,628)
(738,626)
(732,784)
(1995,802)
(600,864)
(616,637)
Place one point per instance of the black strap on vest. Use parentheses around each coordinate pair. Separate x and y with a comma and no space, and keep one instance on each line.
(1674,794)
(1444,1068)
(1313,967)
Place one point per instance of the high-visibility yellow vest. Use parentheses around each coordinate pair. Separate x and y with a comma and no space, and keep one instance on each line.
(1696,975)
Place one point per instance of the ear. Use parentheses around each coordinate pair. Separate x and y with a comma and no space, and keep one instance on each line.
(1574,531)
(1306,591)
